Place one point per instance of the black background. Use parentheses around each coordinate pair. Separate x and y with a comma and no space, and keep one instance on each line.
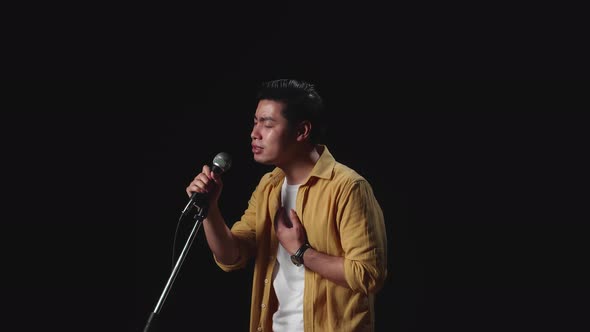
(482,183)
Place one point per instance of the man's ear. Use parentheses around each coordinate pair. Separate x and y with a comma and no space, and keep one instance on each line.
(303,130)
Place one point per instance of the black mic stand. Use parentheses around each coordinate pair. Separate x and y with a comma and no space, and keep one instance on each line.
(199,216)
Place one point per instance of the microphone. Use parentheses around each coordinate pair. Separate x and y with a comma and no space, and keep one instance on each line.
(221,164)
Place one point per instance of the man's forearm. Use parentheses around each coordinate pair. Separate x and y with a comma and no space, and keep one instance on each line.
(329,267)
(219,237)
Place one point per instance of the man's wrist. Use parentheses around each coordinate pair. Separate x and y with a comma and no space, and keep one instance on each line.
(297,257)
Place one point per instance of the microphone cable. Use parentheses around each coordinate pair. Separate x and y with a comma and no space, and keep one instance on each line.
(174,242)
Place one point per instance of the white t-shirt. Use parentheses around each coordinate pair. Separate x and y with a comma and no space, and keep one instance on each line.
(288,279)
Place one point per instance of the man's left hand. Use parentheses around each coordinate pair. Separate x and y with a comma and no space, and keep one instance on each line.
(289,230)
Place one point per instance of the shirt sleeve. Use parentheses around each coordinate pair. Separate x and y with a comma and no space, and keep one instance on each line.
(244,231)
(363,236)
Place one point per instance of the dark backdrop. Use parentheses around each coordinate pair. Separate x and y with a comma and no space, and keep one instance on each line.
(483,183)
(480,185)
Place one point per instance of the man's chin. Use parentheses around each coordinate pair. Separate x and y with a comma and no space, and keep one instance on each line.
(262,161)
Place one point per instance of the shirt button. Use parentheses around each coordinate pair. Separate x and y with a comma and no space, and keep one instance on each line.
(259,328)
(266,281)
(263,306)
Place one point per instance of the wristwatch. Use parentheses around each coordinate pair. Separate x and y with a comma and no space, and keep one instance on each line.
(297,258)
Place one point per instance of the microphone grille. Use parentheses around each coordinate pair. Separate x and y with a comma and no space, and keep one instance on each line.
(223,161)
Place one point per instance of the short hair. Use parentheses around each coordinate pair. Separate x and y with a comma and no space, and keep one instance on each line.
(302,102)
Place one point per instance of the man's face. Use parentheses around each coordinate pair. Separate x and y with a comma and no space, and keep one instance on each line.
(271,137)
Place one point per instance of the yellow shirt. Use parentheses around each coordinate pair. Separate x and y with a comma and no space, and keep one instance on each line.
(342,218)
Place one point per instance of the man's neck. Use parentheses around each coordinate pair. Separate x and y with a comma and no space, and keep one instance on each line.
(298,170)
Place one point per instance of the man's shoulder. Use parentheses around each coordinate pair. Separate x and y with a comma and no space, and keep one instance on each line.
(345,174)
(270,177)
(267,176)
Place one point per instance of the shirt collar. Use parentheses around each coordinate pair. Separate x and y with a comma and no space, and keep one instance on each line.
(323,167)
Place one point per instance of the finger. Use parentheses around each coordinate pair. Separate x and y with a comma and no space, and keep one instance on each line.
(199,186)
(206,169)
(294,217)
(200,182)
(194,187)
(202,178)
(278,218)
(286,220)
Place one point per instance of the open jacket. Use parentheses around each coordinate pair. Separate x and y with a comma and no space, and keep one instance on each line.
(342,218)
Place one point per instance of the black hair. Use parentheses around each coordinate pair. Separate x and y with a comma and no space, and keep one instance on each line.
(302,102)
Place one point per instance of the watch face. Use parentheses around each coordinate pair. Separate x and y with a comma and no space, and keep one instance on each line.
(295,260)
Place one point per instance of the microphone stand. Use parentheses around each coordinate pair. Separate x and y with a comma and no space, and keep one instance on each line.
(201,213)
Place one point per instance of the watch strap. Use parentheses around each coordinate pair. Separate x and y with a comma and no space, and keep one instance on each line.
(299,253)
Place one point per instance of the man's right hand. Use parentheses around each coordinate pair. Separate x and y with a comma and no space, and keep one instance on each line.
(206,182)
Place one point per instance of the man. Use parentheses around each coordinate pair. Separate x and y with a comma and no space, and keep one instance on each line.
(314,226)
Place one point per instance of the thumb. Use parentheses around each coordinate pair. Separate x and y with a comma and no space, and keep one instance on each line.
(216,177)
